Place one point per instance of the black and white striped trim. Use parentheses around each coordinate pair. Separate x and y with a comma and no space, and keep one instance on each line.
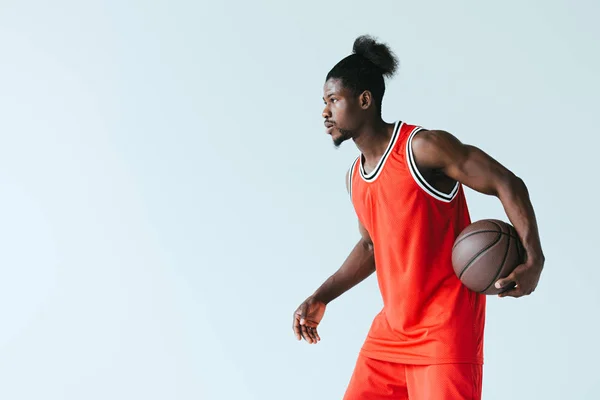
(375,173)
(445,197)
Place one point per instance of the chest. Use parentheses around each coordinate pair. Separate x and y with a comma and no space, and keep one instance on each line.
(390,196)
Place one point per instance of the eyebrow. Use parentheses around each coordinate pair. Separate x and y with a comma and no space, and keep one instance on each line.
(329,95)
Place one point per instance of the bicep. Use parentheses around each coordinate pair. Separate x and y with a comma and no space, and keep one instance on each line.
(477,170)
(464,163)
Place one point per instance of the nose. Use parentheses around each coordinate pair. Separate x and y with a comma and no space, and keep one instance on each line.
(326,113)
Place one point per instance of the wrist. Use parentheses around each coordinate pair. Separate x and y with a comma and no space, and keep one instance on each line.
(321,297)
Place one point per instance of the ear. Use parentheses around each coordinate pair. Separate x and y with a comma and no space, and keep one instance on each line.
(365,99)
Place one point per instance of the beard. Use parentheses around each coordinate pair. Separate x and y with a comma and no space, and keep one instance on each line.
(344,135)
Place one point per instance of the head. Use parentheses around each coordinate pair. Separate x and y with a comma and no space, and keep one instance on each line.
(354,88)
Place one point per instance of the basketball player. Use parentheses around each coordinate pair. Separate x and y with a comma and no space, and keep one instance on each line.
(406,188)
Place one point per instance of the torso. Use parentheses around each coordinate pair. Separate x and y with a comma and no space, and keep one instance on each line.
(413,216)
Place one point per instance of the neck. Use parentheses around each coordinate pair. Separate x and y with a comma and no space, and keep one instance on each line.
(373,138)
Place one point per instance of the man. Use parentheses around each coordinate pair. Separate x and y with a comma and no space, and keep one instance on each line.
(406,188)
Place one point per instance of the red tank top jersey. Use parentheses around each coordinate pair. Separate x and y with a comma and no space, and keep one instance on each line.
(428,315)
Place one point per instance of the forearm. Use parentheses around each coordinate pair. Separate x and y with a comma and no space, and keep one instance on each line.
(517,205)
(359,265)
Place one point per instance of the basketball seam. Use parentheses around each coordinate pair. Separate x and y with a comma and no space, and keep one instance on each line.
(501,264)
(483,231)
(479,253)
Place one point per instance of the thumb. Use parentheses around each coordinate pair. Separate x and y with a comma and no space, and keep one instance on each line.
(303,313)
(509,280)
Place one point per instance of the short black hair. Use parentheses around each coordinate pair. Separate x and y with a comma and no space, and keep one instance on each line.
(366,68)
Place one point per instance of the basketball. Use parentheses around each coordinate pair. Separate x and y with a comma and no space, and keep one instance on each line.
(485,251)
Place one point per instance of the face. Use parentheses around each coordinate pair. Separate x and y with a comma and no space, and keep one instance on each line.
(343,112)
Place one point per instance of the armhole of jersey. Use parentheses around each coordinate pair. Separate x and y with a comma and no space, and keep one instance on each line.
(350,176)
(414,171)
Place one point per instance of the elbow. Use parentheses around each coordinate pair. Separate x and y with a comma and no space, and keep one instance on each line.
(510,186)
(519,184)
(367,245)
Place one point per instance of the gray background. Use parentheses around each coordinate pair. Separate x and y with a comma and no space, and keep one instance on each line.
(168,195)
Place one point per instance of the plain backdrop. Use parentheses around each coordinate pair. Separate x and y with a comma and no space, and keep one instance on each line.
(168,195)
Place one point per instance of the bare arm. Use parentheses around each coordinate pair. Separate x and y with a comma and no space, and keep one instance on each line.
(358,266)
(477,170)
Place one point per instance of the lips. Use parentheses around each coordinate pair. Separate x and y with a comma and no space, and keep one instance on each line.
(329,127)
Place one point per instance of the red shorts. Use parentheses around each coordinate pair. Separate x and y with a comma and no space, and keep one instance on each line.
(382,380)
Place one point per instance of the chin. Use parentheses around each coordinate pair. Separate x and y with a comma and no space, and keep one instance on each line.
(337,141)
(341,135)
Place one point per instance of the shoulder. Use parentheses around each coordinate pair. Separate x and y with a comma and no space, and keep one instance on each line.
(432,139)
(433,148)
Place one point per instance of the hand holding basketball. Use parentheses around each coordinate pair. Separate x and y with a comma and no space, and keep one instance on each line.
(488,257)
(525,277)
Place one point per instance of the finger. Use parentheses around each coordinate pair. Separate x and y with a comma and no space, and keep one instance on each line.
(302,332)
(515,292)
(305,334)
(309,333)
(510,280)
(510,286)
(519,291)
(296,327)
(317,335)
(312,332)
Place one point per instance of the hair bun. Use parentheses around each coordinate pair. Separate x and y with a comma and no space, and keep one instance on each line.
(378,53)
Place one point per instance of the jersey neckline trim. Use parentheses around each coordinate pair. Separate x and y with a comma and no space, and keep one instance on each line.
(377,170)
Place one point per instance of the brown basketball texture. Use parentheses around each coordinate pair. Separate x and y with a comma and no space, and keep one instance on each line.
(485,251)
